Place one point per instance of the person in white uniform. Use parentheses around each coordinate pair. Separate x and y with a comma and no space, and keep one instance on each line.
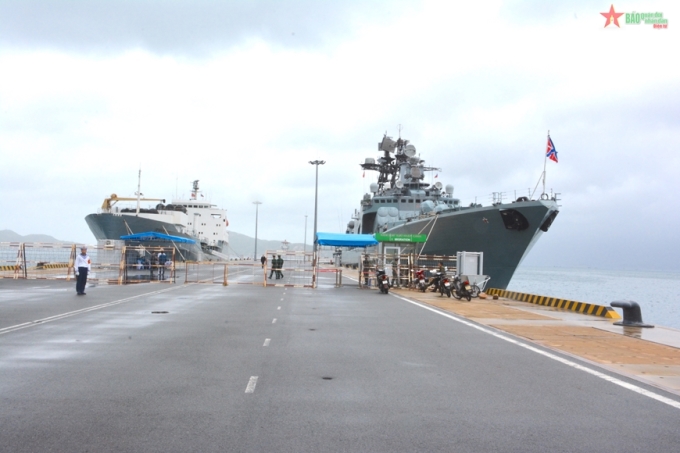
(82,268)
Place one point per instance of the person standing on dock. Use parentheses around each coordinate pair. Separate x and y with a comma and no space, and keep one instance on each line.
(83,264)
(263,260)
(279,266)
(162,259)
(273,269)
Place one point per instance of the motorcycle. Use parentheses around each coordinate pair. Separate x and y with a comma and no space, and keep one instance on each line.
(383,281)
(461,288)
(445,286)
(421,283)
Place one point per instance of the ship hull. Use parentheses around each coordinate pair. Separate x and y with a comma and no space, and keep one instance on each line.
(106,226)
(482,229)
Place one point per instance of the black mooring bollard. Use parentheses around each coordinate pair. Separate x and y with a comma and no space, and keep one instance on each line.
(632,316)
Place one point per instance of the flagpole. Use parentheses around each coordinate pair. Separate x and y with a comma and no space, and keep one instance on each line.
(545,161)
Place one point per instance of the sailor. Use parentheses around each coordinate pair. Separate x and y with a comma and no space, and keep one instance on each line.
(82,266)
(279,266)
(162,259)
(274,261)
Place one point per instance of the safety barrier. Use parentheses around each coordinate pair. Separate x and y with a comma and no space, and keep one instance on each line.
(401,268)
(204,272)
(571,305)
(55,261)
(296,269)
(35,260)
(337,272)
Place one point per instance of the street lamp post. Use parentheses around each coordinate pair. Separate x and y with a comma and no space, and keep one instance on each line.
(257,205)
(305,233)
(316,201)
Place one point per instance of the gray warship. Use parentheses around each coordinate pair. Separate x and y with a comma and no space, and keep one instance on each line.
(402,203)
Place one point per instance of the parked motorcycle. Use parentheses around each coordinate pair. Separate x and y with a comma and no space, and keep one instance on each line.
(445,286)
(383,281)
(461,288)
(421,282)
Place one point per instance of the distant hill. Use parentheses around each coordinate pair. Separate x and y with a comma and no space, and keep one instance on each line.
(242,245)
(239,244)
(11,236)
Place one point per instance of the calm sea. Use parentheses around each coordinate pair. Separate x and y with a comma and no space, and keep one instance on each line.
(658,293)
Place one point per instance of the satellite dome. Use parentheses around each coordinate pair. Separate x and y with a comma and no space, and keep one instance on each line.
(410,150)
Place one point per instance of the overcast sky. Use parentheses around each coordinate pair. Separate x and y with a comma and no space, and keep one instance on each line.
(243,94)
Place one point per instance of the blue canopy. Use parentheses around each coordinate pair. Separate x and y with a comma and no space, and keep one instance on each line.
(345,240)
(154,236)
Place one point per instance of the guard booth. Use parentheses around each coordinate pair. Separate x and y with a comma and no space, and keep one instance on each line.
(139,257)
(393,259)
(340,240)
(471,267)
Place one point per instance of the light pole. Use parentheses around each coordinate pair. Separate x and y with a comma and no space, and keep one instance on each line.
(257,205)
(305,233)
(316,201)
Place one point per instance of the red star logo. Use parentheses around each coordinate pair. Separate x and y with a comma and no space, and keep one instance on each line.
(612,16)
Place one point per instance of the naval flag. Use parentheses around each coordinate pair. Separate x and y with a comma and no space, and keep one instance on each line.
(551,152)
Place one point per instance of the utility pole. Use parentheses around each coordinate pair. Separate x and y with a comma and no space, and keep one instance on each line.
(257,205)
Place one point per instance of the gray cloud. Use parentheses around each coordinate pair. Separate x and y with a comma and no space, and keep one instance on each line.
(181,27)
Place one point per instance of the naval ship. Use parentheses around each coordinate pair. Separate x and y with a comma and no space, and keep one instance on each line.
(189,218)
(402,203)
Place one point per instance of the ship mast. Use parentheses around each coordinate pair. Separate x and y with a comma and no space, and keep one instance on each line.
(545,160)
(139,191)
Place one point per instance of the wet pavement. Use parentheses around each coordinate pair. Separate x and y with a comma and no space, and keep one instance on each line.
(206,367)
(650,355)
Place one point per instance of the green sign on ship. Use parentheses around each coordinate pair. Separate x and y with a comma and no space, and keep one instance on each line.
(382,237)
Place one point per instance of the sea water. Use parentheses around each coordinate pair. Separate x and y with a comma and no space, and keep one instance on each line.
(658,293)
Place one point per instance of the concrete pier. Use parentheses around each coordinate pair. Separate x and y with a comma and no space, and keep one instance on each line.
(249,368)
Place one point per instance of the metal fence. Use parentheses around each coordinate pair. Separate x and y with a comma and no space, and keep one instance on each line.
(401,268)
(296,269)
(121,264)
(112,265)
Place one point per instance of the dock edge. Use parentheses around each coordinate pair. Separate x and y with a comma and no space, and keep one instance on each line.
(572,305)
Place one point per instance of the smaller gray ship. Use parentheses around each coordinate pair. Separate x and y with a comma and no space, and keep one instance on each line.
(189,218)
(401,202)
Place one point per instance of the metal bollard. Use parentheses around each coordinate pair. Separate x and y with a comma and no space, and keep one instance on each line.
(632,316)
(338,278)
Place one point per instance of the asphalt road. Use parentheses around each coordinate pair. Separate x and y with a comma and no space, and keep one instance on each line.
(174,368)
